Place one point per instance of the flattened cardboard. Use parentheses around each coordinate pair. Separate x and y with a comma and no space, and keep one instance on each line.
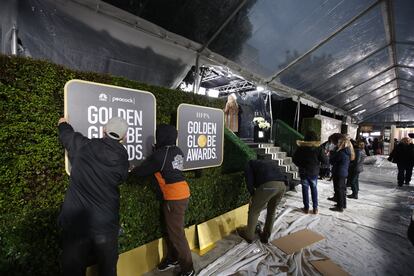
(298,240)
(329,268)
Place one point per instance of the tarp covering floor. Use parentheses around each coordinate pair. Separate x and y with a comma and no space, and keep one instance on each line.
(368,238)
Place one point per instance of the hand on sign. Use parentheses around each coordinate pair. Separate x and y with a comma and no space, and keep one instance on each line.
(62,120)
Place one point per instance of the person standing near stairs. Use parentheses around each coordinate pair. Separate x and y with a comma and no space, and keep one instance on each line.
(308,157)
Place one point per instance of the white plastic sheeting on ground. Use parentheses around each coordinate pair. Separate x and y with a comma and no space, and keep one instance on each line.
(369,238)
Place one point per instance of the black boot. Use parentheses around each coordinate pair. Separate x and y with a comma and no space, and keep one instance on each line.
(332,198)
(337,209)
(264,237)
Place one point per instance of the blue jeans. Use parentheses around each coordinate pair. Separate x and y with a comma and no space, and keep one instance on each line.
(309,181)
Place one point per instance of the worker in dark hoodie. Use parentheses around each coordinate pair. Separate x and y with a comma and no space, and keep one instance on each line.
(308,157)
(166,164)
(340,158)
(90,211)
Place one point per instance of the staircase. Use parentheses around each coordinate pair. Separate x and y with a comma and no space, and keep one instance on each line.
(271,152)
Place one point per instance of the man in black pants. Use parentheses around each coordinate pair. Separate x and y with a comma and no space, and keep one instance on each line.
(90,211)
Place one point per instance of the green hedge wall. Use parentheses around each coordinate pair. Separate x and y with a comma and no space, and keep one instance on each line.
(33,180)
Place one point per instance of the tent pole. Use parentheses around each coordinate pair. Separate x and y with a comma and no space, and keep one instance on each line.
(14,41)
(298,121)
(297,115)
(271,116)
(197,74)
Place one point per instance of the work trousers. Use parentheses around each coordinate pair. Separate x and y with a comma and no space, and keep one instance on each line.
(177,245)
(81,252)
(270,194)
(340,190)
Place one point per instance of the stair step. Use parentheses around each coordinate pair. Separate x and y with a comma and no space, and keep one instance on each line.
(292,174)
(259,150)
(280,155)
(264,156)
(252,144)
(294,167)
(279,161)
(285,168)
(287,160)
(268,151)
(272,149)
(266,145)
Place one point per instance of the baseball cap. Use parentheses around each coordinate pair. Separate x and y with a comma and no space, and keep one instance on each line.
(116,128)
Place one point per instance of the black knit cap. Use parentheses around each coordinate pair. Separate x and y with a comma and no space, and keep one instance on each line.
(166,135)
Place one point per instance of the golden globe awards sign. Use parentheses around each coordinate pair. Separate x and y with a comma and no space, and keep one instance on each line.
(200,135)
(89,106)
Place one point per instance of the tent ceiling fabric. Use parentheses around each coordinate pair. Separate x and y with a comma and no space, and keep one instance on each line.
(395,113)
(353,57)
(355,54)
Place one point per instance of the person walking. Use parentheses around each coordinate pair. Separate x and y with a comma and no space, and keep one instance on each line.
(166,164)
(355,168)
(403,155)
(376,146)
(266,184)
(339,159)
(90,211)
(368,147)
(308,157)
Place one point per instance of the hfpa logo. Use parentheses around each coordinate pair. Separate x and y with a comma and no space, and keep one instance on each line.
(103,97)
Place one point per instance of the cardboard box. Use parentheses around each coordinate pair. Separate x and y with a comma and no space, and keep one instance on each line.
(329,268)
(296,241)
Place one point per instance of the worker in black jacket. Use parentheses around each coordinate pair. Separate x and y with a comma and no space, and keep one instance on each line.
(266,184)
(90,211)
(308,157)
(166,164)
(403,155)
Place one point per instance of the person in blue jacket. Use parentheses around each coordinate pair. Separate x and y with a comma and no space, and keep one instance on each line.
(340,158)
